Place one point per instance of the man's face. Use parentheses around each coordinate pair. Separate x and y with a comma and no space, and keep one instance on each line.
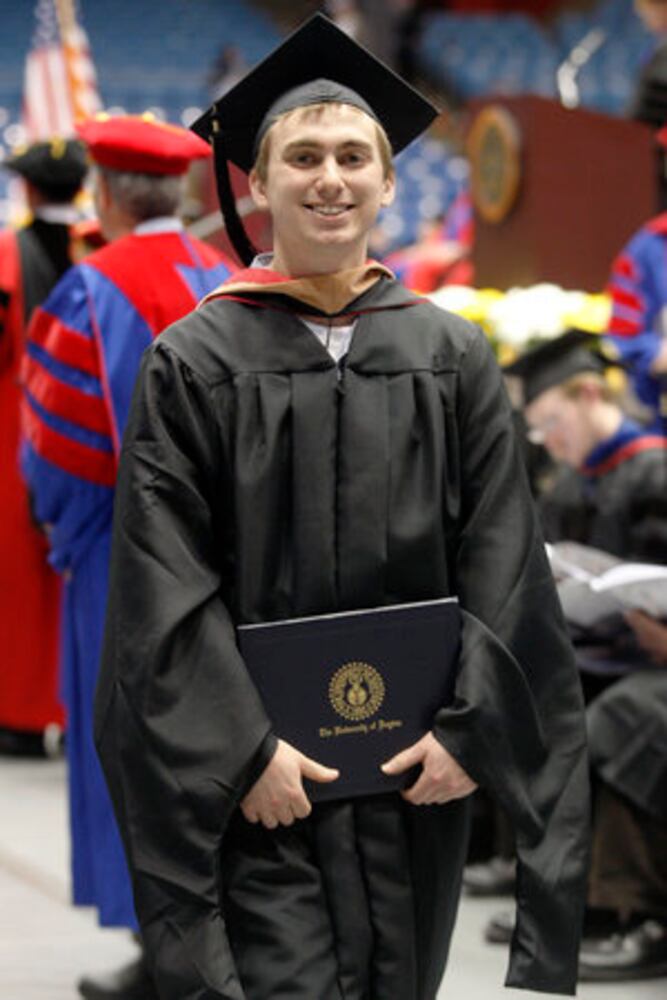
(561,423)
(324,187)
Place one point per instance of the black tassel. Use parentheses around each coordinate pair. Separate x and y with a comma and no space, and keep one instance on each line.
(235,229)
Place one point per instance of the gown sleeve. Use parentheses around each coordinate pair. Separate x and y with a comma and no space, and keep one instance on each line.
(67,452)
(517,723)
(179,727)
(637,302)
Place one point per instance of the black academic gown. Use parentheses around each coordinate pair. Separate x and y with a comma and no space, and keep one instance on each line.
(627,728)
(622,511)
(259,481)
(44,249)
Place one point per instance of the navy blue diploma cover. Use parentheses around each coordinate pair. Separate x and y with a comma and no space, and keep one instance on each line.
(352,689)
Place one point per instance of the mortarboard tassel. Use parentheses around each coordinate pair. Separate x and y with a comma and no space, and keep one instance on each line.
(235,229)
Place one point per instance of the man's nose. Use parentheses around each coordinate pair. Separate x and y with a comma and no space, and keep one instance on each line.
(330,175)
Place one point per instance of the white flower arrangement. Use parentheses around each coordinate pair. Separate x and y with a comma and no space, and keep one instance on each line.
(522,317)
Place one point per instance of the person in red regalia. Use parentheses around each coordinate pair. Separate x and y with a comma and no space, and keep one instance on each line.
(32,260)
(83,351)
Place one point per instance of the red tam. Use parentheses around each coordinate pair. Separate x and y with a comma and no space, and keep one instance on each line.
(141,144)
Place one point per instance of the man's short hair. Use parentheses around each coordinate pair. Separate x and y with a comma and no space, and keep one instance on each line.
(573,386)
(314,111)
(144,196)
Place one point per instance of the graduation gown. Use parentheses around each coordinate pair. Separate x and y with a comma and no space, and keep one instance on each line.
(260,480)
(31,261)
(627,726)
(82,355)
(617,501)
(637,287)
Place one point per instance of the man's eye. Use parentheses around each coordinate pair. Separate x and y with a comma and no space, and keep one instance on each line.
(304,159)
(353,158)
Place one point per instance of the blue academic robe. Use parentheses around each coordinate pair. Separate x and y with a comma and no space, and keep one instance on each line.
(83,352)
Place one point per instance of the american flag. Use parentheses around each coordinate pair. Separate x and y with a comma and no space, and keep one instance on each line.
(60,83)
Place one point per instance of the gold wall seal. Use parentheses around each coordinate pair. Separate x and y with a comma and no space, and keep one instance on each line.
(494,151)
(356,690)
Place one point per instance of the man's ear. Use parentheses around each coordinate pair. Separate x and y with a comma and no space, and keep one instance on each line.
(257,190)
(388,189)
(103,193)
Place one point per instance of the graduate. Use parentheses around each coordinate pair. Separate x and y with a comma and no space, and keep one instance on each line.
(316,439)
(607,490)
(610,488)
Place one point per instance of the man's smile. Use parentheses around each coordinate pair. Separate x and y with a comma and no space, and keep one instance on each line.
(328,210)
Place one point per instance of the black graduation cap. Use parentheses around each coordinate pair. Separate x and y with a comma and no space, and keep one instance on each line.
(317,63)
(558,360)
(57,166)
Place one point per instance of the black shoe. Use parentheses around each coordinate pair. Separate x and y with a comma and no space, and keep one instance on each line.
(32,743)
(640,953)
(495,877)
(500,927)
(132,982)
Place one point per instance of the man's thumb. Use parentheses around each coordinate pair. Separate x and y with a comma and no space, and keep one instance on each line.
(403,760)
(317,772)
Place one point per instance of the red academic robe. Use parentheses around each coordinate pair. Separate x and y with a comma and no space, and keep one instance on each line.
(29,588)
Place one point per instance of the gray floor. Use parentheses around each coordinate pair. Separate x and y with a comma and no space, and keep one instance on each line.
(45,944)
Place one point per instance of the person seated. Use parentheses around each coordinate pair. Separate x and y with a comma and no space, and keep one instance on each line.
(611,481)
(625,924)
(609,488)
(607,493)
(628,873)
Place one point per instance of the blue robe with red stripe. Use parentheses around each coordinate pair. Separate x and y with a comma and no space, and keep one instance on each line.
(638,289)
(83,352)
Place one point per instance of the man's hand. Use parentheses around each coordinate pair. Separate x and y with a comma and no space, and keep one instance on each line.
(278,797)
(651,635)
(441,780)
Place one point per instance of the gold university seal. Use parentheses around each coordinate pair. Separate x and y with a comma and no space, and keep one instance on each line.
(356,690)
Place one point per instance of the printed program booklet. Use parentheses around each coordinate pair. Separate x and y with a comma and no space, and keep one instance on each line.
(596,588)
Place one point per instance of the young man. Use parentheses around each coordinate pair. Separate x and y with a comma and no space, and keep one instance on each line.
(315,439)
(83,352)
(610,491)
(32,260)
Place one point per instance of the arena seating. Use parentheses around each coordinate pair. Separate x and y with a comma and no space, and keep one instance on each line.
(488,53)
(514,53)
(427,182)
(149,54)
(158,53)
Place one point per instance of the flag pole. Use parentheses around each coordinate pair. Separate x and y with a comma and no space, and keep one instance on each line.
(71,47)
